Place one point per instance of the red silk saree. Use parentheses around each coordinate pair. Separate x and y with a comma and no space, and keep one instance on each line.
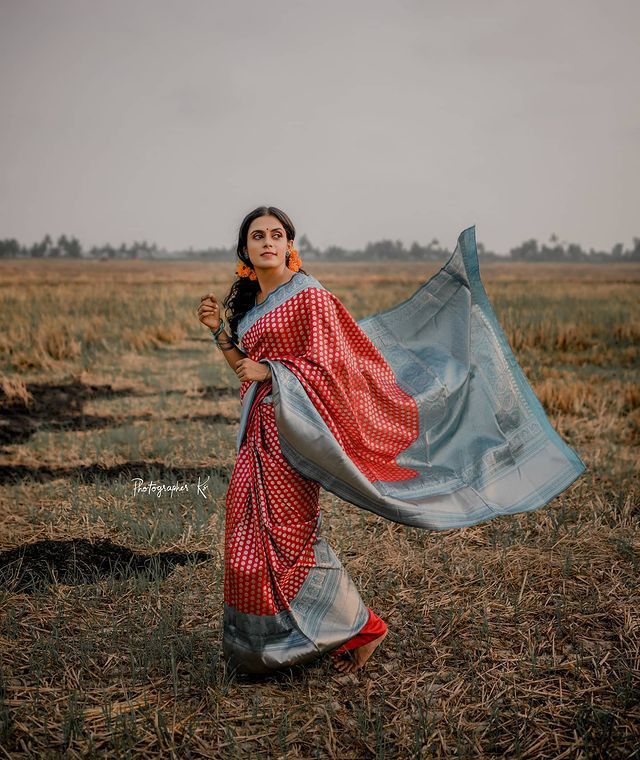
(419,414)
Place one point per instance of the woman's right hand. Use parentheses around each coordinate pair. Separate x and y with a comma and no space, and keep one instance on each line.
(209,311)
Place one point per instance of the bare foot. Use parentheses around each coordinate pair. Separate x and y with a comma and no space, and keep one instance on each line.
(354,659)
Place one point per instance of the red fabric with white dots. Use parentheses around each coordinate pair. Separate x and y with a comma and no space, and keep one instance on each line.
(271,521)
(345,376)
(272,511)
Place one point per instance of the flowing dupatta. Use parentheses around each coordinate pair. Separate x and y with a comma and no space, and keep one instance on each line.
(419,413)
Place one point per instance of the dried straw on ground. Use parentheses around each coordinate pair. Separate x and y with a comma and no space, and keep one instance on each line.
(516,638)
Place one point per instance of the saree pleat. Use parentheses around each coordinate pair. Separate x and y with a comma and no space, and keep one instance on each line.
(271,522)
(287,598)
(419,414)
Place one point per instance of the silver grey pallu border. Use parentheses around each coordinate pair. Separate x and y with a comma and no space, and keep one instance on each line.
(485,447)
(326,612)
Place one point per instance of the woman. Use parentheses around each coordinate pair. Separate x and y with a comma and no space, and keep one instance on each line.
(420,414)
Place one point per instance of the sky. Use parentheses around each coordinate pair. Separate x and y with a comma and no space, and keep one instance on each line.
(408,120)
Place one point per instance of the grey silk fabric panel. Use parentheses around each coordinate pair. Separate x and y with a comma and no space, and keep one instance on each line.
(485,445)
(310,447)
(326,612)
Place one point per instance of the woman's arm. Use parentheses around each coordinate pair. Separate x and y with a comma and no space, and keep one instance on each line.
(233,354)
(244,367)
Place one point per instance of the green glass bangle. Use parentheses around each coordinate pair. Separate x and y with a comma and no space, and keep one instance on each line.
(219,330)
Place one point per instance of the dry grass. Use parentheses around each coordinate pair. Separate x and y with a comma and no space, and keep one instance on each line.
(516,638)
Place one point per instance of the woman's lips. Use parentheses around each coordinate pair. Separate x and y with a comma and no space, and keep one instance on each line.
(268,253)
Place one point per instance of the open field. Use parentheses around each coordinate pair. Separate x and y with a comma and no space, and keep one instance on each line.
(516,638)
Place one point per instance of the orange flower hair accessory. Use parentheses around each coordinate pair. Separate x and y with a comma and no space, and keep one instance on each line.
(242,270)
(295,262)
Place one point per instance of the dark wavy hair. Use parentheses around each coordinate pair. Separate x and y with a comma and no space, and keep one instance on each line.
(241,296)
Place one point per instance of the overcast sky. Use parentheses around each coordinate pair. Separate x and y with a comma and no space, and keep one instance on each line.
(125,120)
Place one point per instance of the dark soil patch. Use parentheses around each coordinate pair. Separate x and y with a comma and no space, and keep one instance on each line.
(60,407)
(14,474)
(214,391)
(34,566)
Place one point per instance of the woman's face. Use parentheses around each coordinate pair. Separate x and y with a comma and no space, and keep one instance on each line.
(267,243)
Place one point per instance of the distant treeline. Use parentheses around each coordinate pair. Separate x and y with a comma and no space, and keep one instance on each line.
(382,250)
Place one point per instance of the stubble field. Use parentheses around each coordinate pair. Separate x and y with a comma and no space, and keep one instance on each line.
(519,637)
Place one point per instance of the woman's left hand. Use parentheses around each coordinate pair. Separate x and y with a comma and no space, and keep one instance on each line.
(247,369)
